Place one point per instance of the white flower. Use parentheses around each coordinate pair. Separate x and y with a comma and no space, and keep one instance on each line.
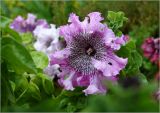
(47,39)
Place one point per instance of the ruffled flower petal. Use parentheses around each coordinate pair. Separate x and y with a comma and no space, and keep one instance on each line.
(82,81)
(42,22)
(18,24)
(44,34)
(66,80)
(114,42)
(31,19)
(111,66)
(119,41)
(47,39)
(52,70)
(39,46)
(95,86)
(70,31)
(22,25)
(59,57)
(94,23)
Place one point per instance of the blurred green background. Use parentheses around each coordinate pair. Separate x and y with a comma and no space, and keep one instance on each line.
(143,22)
(140,13)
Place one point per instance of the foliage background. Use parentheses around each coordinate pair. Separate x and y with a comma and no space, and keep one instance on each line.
(24,89)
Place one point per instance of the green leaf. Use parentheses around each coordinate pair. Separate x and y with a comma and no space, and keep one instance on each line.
(131,45)
(63,103)
(71,108)
(21,83)
(27,37)
(137,58)
(47,83)
(118,33)
(134,63)
(44,82)
(4,21)
(40,59)
(34,91)
(13,34)
(28,43)
(126,50)
(17,56)
(21,87)
(7,94)
(134,58)
(142,78)
(13,85)
(147,65)
(115,20)
(48,86)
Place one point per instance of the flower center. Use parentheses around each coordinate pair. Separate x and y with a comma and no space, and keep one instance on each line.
(49,41)
(83,48)
(90,51)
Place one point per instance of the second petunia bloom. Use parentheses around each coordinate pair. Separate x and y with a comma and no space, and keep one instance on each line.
(151,48)
(89,55)
(22,25)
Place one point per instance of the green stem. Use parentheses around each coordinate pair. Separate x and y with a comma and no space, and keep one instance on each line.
(21,95)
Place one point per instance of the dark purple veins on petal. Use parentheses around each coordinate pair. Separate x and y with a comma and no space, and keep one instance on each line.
(83,48)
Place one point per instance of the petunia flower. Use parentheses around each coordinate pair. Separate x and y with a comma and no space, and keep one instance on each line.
(21,25)
(151,49)
(89,57)
(47,39)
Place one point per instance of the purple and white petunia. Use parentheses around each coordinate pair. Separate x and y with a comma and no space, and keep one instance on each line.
(22,25)
(47,39)
(89,55)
